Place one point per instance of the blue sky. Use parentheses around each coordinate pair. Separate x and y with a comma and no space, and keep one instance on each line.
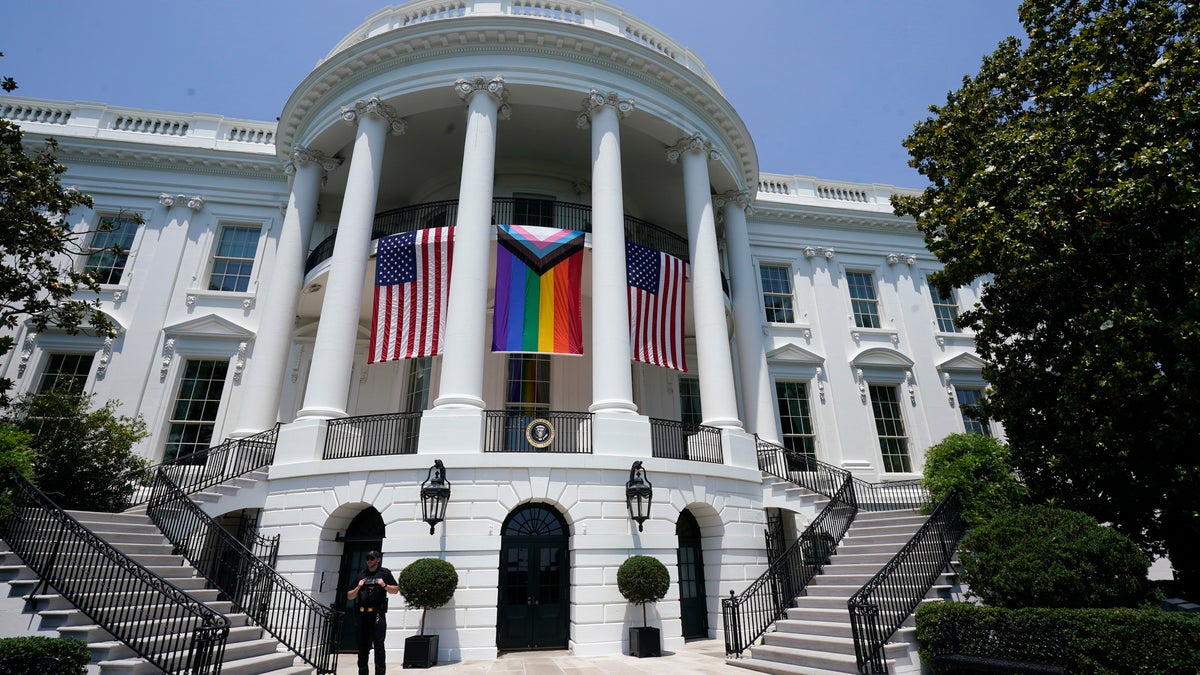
(828,88)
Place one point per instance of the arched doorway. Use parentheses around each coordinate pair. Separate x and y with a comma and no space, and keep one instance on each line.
(693,605)
(365,533)
(534,607)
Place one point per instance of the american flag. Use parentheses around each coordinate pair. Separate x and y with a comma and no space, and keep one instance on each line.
(657,282)
(412,282)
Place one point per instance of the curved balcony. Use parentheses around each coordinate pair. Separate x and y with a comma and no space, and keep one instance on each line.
(508,211)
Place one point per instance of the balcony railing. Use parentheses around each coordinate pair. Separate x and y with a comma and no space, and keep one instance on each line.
(671,439)
(537,431)
(508,211)
(373,435)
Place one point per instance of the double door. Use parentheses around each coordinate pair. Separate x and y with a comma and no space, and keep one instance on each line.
(534,610)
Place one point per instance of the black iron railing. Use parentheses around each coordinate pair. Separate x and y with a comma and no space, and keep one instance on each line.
(508,211)
(879,608)
(890,495)
(767,599)
(537,431)
(158,621)
(372,435)
(304,626)
(802,469)
(211,466)
(672,439)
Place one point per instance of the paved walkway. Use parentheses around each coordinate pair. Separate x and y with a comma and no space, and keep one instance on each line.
(698,656)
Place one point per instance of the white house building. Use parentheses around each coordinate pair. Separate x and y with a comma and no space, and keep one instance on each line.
(246,299)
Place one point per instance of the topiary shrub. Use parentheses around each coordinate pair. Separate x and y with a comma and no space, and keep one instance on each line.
(72,655)
(980,469)
(643,579)
(427,583)
(1039,556)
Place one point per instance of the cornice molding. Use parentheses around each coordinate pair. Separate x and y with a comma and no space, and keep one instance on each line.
(467,36)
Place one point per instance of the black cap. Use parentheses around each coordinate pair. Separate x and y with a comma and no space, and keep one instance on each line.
(374,554)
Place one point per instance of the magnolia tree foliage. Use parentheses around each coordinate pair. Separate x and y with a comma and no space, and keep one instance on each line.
(1065,173)
(39,281)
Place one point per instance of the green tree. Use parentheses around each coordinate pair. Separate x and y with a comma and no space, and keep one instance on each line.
(82,457)
(38,281)
(427,583)
(643,579)
(980,469)
(1066,175)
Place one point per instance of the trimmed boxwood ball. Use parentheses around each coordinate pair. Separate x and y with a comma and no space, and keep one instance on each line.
(427,583)
(643,579)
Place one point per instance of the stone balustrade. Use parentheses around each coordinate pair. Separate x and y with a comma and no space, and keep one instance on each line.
(97,120)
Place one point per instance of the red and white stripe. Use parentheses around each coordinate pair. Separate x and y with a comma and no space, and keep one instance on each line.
(409,319)
(656,321)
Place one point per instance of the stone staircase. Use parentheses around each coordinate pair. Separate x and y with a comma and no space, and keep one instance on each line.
(241,492)
(248,651)
(815,637)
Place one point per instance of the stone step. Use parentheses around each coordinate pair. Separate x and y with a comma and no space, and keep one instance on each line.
(833,628)
(806,658)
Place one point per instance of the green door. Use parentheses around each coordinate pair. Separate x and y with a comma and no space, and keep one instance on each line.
(365,533)
(534,603)
(693,605)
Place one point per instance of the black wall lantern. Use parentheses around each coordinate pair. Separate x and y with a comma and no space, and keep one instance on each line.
(435,494)
(638,493)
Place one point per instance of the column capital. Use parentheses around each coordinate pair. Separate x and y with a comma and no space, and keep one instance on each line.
(373,107)
(740,198)
(494,87)
(194,203)
(301,156)
(596,100)
(693,143)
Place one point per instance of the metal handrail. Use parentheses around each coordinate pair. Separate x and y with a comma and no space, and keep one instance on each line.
(278,606)
(890,495)
(672,439)
(372,435)
(768,598)
(564,215)
(160,622)
(205,468)
(799,468)
(879,608)
(510,431)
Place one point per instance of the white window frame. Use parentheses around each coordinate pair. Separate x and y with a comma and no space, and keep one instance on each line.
(790,295)
(214,255)
(93,230)
(951,304)
(875,300)
(811,409)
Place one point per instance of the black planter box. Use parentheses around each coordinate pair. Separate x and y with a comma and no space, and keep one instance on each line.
(420,651)
(644,642)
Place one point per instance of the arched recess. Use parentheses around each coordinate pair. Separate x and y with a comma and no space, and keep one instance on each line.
(365,533)
(693,596)
(534,600)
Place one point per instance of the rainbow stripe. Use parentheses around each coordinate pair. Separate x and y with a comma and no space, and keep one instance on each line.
(538,290)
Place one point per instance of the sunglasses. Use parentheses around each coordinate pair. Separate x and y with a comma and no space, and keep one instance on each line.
(372,557)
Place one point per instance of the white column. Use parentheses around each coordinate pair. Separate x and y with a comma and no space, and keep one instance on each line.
(612,378)
(718,402)
(264,374)
(747,319)
(466,317)
(333,351)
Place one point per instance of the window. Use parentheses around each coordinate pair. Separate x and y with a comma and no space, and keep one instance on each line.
(945,309)
(194,415)
(66,372)
(863,300)
(234,259)
(893,440)
(968,402)
(528,382)
(110,249)
(536,212)
(777,292)
(416,395)
(689,401)
(794,418)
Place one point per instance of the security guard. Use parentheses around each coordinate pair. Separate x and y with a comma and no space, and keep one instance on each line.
(369,594)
